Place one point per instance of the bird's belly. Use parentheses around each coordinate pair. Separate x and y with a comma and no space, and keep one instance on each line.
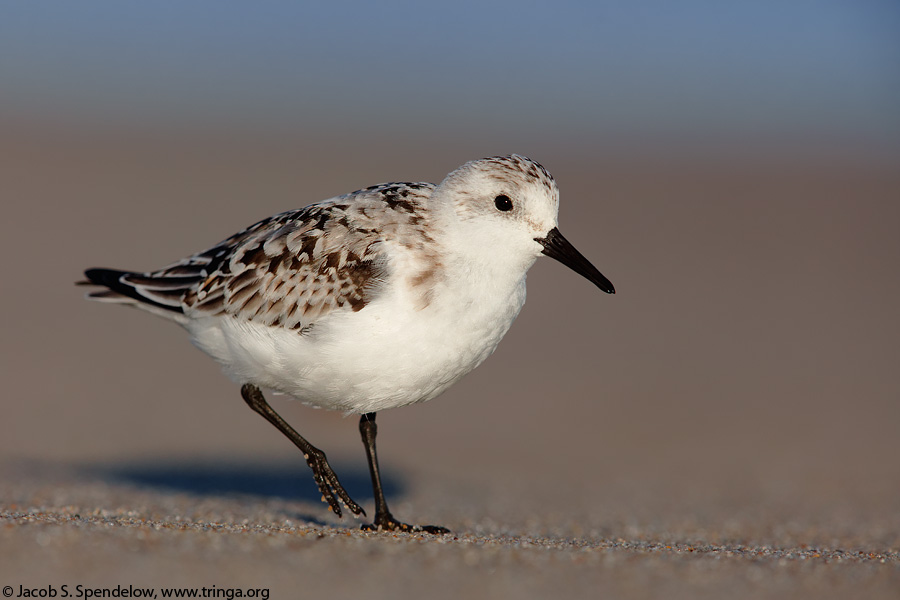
(384,356)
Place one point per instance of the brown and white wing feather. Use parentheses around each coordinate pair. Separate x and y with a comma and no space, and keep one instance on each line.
(288,270)
(294,269)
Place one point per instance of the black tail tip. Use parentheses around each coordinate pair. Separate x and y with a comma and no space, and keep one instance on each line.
(107,277)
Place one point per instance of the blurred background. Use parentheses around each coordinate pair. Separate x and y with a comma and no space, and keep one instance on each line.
(733,168)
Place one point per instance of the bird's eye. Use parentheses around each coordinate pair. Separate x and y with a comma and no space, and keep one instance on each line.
(502,202)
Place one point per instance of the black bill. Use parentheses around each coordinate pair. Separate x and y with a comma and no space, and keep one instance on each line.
(558,247)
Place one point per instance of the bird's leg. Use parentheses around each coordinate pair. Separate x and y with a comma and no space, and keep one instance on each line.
(328,483)
(383,517)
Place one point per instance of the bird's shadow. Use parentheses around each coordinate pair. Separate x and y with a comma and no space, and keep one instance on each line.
(291,482)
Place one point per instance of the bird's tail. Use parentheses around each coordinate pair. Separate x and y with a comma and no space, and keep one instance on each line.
(160,295)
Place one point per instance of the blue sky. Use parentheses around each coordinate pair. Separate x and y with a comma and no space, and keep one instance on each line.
(824,69)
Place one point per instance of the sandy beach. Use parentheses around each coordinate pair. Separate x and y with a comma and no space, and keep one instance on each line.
(726,425)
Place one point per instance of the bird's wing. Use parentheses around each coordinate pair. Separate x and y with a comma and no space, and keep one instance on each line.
(288,270)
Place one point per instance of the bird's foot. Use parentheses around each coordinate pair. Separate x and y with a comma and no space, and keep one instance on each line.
(332,491)
(387,522)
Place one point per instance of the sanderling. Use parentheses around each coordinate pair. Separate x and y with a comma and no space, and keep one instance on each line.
(376,299)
